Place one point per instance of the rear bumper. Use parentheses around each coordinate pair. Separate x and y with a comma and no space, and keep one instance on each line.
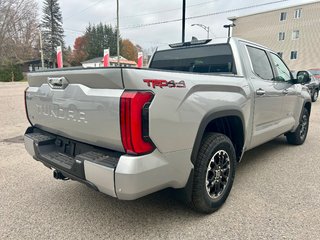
(113,173)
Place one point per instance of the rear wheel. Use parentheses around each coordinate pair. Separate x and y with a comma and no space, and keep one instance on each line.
(299,136)
(315,95)
(214,172)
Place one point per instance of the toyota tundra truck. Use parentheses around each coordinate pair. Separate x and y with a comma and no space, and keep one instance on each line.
(183,123)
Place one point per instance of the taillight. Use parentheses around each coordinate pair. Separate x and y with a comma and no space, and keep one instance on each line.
(25,105)
(134,121)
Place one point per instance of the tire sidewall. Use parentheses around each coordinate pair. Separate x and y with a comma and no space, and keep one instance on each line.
(212,204)
(315,96)
(295,137)
(305,113)
(215,203)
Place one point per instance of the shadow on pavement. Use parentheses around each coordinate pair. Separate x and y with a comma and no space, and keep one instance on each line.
(160,208)
(18,139)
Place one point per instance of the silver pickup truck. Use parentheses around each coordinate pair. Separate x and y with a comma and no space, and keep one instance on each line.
(184,122)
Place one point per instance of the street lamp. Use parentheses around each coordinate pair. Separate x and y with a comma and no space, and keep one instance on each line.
(202,26)
(229,26)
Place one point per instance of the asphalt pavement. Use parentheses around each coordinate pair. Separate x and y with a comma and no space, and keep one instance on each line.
(276,195)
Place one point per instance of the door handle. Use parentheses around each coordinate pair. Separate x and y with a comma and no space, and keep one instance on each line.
(285,91)
(260,92)
(57,82)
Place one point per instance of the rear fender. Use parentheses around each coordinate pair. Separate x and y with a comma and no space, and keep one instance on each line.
(210,116)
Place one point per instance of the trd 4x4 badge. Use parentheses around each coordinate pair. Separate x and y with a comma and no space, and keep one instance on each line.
(164,83)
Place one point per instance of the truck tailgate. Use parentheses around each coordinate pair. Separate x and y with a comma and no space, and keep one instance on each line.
(79,104)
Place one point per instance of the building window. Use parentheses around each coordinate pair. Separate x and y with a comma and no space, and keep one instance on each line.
(297,13)
(293,55)
(280,54)
(283,16)
(281,36)
(295,34)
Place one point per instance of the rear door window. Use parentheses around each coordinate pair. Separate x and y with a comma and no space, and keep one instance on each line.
(260,63)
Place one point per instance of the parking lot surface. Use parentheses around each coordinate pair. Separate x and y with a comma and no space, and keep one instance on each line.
(276,195)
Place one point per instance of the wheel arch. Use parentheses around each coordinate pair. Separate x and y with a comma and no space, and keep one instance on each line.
(232,125)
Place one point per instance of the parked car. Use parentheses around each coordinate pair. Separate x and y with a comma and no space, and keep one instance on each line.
(313,85)
(315,72)
(182,123)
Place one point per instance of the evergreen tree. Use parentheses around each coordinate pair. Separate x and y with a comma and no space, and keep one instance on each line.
(100,37)
(52,29)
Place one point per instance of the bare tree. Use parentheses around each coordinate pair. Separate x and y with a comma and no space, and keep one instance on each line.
(151,50)
(18,31)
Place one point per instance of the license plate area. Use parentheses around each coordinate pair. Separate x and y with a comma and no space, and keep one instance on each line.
(65,146)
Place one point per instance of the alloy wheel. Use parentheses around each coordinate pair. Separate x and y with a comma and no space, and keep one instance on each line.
(218,172)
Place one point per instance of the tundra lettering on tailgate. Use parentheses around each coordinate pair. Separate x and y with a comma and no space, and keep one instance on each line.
(61,113)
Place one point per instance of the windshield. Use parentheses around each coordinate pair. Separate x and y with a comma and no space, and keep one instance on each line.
(315,72)
(200,59)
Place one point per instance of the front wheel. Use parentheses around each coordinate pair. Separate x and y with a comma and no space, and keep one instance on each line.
(315,95)
(214,172)
(300,134)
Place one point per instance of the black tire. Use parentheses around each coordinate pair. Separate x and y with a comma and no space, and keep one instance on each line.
(300,134)
(216,149)
(315,95)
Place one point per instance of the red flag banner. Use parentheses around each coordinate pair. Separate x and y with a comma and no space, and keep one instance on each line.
(106,54)
(140,59)
(59,57)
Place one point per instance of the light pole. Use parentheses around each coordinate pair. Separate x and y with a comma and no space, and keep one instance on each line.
(118,34)
(207,28)
(41,47)
(183,20)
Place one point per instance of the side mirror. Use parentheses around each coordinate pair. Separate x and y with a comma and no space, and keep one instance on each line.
(303,77)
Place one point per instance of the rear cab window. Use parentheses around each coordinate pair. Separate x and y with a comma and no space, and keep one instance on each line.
(209,59)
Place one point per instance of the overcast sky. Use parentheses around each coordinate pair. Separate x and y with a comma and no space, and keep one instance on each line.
(78,13)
